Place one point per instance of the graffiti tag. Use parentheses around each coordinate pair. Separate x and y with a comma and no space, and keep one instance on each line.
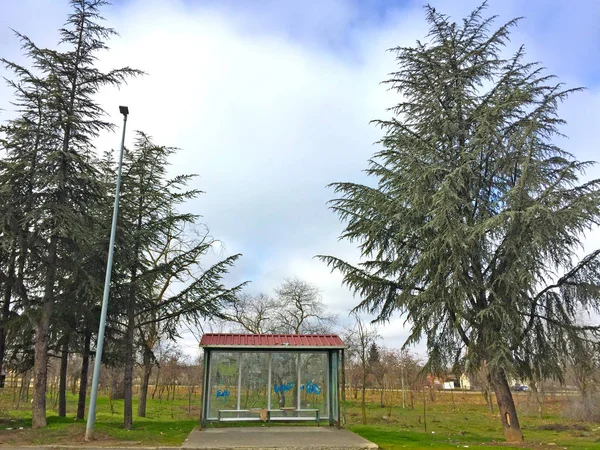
(278,388)
(311,388)
(222,393)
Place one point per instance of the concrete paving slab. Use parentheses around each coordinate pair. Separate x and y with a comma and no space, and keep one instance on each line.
(281,438)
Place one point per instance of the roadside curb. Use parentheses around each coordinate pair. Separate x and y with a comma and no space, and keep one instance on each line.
(84,447)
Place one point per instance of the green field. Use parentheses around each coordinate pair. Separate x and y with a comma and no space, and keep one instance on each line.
(453,421)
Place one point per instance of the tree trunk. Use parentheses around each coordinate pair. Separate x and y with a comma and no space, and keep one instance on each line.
(363,407)
(21,388)
(6,307)
(52,395)
(129,336)
(117,390)
(488,399)
(156,382)
(425,412)
(147,368)
(62,389)
(74,385)
(506,406)
(14,385)
(83,379)
(40,367)
(128,378)
(42,326)
(403,392)
(539,396)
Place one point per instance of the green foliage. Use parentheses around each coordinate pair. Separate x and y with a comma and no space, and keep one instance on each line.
(56,209)
(50,183)
(159,277)
(374,357)
(48,175)
(472,226)
(164,245)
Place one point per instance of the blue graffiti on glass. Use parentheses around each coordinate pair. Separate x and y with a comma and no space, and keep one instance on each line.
(311,388)
(224,393)
(278,388)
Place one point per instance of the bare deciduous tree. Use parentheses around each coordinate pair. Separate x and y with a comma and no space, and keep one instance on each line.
(255,313)
(359,338)
(301,308)
(297,307)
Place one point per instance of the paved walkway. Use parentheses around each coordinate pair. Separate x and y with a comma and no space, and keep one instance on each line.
(281,438)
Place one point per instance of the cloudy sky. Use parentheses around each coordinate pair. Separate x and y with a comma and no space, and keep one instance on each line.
(270,100)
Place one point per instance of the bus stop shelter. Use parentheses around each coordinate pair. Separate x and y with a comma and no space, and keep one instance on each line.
(271,377)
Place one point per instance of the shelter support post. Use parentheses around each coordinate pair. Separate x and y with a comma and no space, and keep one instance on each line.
(333,399)
(343,412)
(298,398)
(205,388)
(269,381)
(239,388)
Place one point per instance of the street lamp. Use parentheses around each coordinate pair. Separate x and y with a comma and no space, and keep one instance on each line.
(89,429)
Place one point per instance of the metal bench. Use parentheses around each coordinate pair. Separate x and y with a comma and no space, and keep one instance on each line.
(239,419)
(297,417)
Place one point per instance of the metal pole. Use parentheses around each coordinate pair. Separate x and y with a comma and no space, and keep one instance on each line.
(343,388)
(89,429)
(209,383)
(269,383)
(298,399)
(330,386)
(205,388)
(403,391)
(239,396)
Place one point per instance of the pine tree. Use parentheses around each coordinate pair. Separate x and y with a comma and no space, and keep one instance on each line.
(22,141)
(61,86)
(7,272)
(471,228)
(160,279)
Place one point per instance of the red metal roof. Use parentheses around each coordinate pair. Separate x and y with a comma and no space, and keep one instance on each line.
(229,340)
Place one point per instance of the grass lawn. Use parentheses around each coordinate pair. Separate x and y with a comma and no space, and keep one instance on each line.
(459,420)
(168,423)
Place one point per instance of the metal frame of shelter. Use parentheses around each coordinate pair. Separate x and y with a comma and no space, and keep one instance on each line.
(270,346)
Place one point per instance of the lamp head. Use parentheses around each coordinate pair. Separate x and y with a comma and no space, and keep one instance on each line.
(124,110)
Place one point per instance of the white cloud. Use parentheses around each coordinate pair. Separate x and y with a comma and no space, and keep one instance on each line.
(266,122)
(268,107)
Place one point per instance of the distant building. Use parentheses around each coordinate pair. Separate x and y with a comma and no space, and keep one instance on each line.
(449,382)
(465,382)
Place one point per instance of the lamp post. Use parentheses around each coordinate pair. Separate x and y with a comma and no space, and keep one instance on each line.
(89,429)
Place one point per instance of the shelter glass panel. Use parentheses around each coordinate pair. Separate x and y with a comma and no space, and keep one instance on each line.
(284,379)
(299,383)
(314,389)
(223,382)
(245,384)
(255,372)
